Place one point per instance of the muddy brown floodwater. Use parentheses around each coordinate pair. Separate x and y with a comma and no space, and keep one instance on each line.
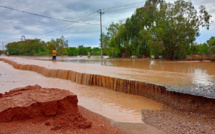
(114,105)
(196,67)
(190,77)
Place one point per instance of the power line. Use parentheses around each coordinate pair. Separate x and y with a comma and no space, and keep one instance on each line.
(44,15)
(126,5)
(69,25)
(53,17)
(87,15)
(55,31)
(87,18)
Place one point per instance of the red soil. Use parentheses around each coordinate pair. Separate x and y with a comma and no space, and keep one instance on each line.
(33,101)
(33,109)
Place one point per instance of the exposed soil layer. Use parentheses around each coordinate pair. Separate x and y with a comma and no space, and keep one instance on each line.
(172,121)
(33,109)
(33,101)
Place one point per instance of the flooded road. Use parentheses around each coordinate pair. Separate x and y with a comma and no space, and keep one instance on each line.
(196,67)
(115,105)
(190,77)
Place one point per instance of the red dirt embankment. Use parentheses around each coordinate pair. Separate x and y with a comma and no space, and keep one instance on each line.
(48,110)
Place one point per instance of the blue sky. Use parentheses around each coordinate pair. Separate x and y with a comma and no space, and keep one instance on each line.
(14,24)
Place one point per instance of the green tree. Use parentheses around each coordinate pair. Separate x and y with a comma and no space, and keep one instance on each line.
(12,48)
(60,44)
(158,28)
(96,51)
(211,41)
(177,25)
(114,43)
(203,49)
(106,47)
(27,47)
(72,51)
(83,50)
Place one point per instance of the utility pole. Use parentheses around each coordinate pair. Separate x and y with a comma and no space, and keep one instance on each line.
(100,12)
(3,47)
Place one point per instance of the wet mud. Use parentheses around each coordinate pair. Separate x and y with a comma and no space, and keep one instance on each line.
(176,100)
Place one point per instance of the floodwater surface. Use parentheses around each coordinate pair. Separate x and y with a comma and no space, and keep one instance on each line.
(190,77)
(196,67)
(114,105)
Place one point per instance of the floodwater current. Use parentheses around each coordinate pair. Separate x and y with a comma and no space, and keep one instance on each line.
(190,77)
(196,67)
(114,105)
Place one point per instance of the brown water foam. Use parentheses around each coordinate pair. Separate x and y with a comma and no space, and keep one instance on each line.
(179,101)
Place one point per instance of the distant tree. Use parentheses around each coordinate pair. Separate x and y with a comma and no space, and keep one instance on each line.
(60,44)
(96,51)
(82,50)
(203,49)
(211,41)
(212,48)
(27,47)
(72,51)
(13,48)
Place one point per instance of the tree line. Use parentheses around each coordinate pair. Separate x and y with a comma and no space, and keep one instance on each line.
(160,29)
(37,47)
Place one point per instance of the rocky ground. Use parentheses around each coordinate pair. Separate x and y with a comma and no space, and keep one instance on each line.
(171,121)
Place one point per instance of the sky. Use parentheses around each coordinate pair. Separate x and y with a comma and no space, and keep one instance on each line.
(77,20)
